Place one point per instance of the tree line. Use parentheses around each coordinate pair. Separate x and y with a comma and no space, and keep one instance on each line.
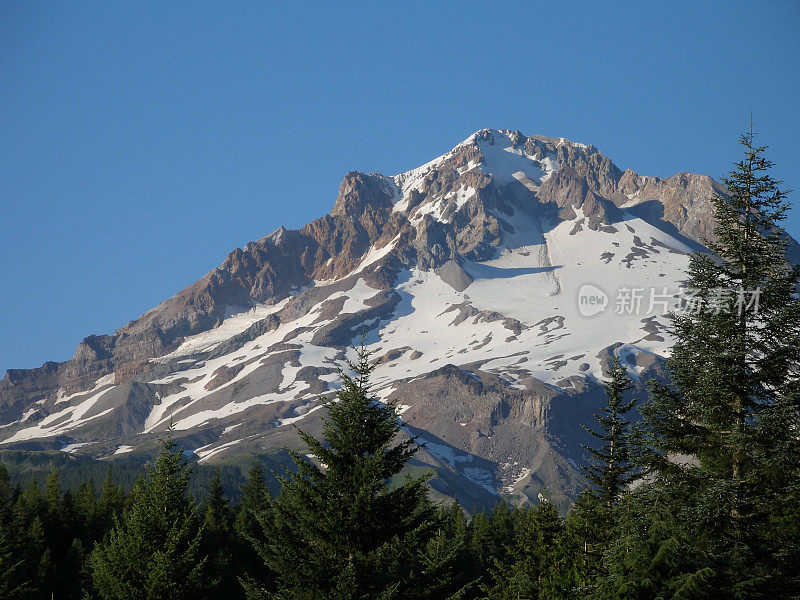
(697,499)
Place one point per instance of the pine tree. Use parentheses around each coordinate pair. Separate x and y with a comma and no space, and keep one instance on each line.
(52,493)
(217,514)
(481,543)
(6,495)
(537,566)
(14,582)
(447,557)
(591,521)
(219,542)
(254,505)
(654,554)
(111,503)
(503,529)
(153,551)
(723,436)
(340,531)
(611,472)
(255,501)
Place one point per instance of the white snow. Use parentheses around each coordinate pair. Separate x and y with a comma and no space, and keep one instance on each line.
(522,475)
(480,476)
(534,278)
(505,163)
(500,159)
(633,200)
(61,421)
(103,381)
(206,452)
(310,355)
(374,255)
(237,320)
(462,462)
(299,417)
(70,448)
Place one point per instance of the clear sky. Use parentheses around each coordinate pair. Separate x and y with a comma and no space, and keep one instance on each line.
(141,142)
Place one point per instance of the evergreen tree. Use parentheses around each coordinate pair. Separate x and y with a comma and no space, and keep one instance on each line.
(481,543)
(591,521)
(339,531)
(254,505)
(654,554)
(538,566)
(153,551)
(6,495)
(722,439)
(219,542)
(447,557)
(611,472)
(111,503)
(504,530)
(14,582)
(217,513)
(255,501)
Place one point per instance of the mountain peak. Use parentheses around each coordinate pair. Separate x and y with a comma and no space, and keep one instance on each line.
(359,191)
(516,138)
(473,260)
(504,156)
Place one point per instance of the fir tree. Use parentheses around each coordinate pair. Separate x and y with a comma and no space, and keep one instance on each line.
(654,554)
(254,505)
(219,542)
(447,558)
(591,521)
(153,551)
(6,495)
(611,472)
(255,501)
(723,437)
(503,528)
(217,513)
(14,582)
(538,566)
(111,503)
(339,531)
(481,543)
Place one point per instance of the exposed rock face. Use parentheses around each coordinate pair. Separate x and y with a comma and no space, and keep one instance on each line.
(462,275)
(454,275)
(683,200)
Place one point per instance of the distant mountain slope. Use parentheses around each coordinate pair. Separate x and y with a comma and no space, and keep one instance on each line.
(464,274)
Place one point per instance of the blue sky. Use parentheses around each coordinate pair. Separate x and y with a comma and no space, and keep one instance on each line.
(141,142)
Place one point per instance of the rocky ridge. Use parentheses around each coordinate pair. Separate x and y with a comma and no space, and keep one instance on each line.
(464,274)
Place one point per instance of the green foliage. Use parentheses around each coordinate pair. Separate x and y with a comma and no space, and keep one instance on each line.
(539,564)
(723,436)
(338,530)
(592,523)
(74,470)
(612,470)
(654,555)
(220,542)
(154,548)
(13,582)
(714,513)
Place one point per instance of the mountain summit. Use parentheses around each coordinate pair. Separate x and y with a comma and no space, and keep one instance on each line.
(467,276)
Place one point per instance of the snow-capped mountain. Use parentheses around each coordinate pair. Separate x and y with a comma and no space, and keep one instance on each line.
(492,284)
